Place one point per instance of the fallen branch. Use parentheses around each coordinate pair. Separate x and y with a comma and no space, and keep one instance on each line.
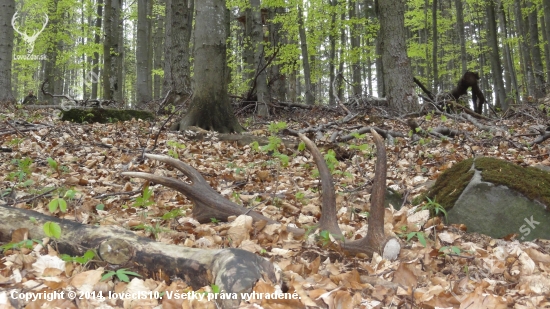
(232,270)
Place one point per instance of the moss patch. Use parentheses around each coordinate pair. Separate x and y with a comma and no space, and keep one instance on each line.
(529,181)
(104,115)
(451,183)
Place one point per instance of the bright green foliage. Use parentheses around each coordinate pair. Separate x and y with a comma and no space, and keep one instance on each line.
(23,169)
(175,145)
(85,258)
(52,229)
(419,235)
(29,243)
(122,275)
(56,203)
(146,198)
(434,208)
(452,249)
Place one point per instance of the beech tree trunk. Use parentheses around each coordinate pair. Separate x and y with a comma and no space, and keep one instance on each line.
(143,70)
(233,270)
(259,81)
(112,50)
(494,55)
(398,79)
(210,108)
(97,40)
(177,68)
(310,100)
(7,9)
(355,46)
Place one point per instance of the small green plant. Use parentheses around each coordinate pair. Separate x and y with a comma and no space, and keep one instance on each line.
(275,127)
(434,208)
(175,145)
(85,258)
(122,275)
(324,238)
(28,244)
(56,203)
(15,142)
(172,214)
(301,197)
(214,220)
(53,165)
(450,250)
(100,207)
(419,235)
(52,229)
(146,198)
(23,169)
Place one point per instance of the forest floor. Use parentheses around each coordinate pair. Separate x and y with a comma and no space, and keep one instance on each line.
(439,266)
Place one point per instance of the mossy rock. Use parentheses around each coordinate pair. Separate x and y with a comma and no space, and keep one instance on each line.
(496,198)
(451,183)
(102,115)
(532,182)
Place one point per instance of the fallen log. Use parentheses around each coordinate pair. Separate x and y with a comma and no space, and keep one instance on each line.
(232,270)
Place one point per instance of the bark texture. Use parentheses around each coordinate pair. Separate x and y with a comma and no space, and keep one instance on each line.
(7,9)
(233,270)
(210,108)
(398,79)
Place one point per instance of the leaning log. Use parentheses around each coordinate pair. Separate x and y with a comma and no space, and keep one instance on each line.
(232,270)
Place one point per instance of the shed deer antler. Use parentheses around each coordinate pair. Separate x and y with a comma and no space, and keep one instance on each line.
(210,204)
(28,39)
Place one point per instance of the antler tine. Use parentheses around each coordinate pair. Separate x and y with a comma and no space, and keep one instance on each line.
(190,172)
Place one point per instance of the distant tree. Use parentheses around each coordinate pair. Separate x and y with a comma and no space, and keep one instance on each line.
(398,79)
(177,66)
(210,108)
(143,68)
(7,9)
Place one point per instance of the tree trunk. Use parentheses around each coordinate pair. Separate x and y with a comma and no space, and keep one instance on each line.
(310,100)
(461,35)
(97,41)
(509,64)
(528,77)
(332,55)
(177,51)
(277,80)
(380,83)
(259,81)
(434,46)
(340,81)
(210,108)
(7,9)
(398,77)
(197,267)
(143,71)
(496,68)
(167,81)
(534,47)
(157,65)
(111,60)
(546,4)
(356,49)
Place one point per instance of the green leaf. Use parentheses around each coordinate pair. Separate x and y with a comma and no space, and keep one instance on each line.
(107,275)
(421,238)
(215,288)
(52,229)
